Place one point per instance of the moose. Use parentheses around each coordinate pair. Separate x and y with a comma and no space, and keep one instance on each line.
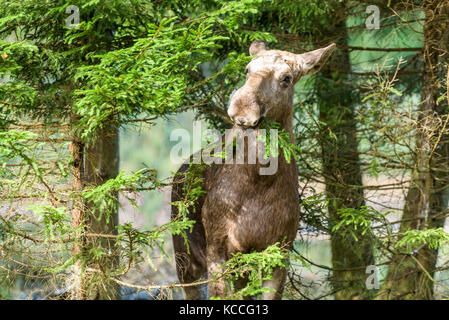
(242,210)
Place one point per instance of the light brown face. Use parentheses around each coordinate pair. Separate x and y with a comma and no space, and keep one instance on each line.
(270,78)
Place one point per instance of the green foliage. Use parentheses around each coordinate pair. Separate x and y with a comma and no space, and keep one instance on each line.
(56,221)
(296,17)
(63,266)
(16,144)
(104,197)
(256,267)
(315,210)
(123,59)
(19,148)
(192,188)
(152,75)
(361,218)
(135,243)
(415,239)
(283,142)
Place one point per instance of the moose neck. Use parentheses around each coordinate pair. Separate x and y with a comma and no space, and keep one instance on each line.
(283,114)
(285,169)
(286,121)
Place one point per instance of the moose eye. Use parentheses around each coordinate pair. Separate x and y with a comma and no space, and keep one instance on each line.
(286,80)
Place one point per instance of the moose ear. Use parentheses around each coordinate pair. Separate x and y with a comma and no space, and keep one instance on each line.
(311,62)
(257,47)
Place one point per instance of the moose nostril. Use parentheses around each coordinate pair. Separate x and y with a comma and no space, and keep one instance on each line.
(240,121)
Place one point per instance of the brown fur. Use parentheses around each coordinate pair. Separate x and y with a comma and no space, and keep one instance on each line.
(243,211)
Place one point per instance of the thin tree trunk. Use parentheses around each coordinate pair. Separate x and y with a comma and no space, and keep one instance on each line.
(78,217)
(341,170)
(94,165)
(412,276)
(102,164)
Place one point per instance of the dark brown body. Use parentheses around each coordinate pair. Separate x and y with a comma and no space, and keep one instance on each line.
(242,211)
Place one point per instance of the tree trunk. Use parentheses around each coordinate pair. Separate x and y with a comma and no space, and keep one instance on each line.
(93,166)
(78,216)
(411,276)
(343,178)
(102,164)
